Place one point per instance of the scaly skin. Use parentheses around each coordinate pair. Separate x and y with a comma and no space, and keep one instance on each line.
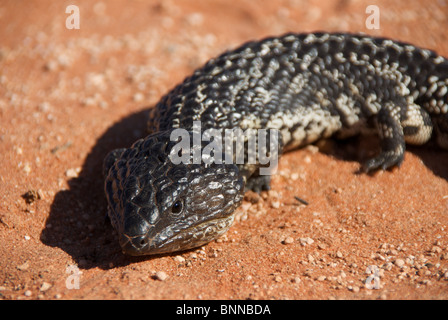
(308,87)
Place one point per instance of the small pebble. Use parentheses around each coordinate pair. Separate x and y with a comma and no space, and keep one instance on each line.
(399,263)
(73,172)
(353,288)
(321,246)
(321,278)
(88,102)
(27,293)
(275,204)
(44,106)
(160,275)
(273,194)
(23,266)
(138,97)
(179,259)
(305,241)
(45,286)
(195,19)
(51,65)
(288,240)
(27,168)
(436,249)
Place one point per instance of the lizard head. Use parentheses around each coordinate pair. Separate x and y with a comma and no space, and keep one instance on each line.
(158,206)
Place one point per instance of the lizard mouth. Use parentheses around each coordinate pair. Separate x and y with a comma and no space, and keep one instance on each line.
(177,240)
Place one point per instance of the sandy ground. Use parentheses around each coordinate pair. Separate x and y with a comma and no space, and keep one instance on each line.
(67,97)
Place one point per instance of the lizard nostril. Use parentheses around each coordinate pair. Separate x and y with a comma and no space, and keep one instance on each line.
(139,242)
(134,245)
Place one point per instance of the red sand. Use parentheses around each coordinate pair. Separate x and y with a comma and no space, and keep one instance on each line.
(67,97)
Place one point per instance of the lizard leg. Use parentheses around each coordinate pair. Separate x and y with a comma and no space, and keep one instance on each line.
(391,138)
(258,183)
(269,150)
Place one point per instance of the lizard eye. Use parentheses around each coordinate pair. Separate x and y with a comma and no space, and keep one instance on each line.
(177,207)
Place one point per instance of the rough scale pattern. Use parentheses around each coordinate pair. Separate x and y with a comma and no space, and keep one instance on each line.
(307,86)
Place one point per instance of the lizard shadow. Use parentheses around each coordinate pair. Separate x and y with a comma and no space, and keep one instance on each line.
(78,222)
(362,148)
(435,159)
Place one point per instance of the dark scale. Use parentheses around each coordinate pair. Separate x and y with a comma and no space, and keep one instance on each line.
(307,86)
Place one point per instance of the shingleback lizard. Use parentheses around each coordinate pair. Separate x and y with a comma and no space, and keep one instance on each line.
(307,86)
